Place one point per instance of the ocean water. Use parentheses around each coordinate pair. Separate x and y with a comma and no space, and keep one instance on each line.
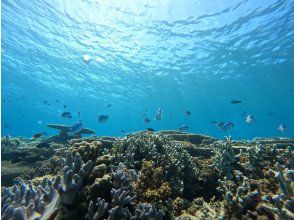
(174,55)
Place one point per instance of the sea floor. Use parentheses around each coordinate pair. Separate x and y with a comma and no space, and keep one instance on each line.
(147,175)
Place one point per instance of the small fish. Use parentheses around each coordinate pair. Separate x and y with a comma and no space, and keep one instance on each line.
(249,119)
(184,128)
(6,125)
(36,136)
(147,120)
(46,102)
(244,114)
(39,122)
(123,131)
(159,115)
(57,100)
(188,113)
(66,115)
(236,101)
(144,114)
(223,126)
(103,118)
(282,128)
(75,129)
(64,106)
(271,114)
(291,90)
(79,114)
(109,105)
(149,129)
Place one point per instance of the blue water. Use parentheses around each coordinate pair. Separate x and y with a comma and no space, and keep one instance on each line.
(173,55)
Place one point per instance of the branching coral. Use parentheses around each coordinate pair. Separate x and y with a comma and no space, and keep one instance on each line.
(74,174)
(178,165)
(282,205)
(238,197)
(224,159)
(27,202)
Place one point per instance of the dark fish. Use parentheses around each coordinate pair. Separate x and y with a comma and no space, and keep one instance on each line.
(236,101)
(79,114)
(46,102)
(38,135)
(146,120)
(109,105)
(188,113)
(223,126)
(144,114)
(64,106)
(184,128)
(5,126)
(150,129)
(291,90)
(66,115)
(56,100)
(271,113)
(123,131)
(103,118)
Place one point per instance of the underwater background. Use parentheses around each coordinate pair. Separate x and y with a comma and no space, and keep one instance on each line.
(136,55)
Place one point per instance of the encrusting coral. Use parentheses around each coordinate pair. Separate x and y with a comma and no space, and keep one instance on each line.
(151,186)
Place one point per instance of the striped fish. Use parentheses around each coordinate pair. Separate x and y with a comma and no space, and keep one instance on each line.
(75,129)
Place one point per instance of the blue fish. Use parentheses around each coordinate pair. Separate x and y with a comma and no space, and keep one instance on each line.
(75,129)
(184,128)
(223,126)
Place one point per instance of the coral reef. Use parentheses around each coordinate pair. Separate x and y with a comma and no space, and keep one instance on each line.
(147,175)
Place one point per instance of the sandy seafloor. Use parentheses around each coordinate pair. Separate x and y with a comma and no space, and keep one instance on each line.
(147,175)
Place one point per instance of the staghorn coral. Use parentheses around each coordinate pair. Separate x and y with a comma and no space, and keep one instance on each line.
(151,186)
(146,211)
(178,165)
(256,163)
(239,198)
(224,159)
(282,205)
(101,209)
